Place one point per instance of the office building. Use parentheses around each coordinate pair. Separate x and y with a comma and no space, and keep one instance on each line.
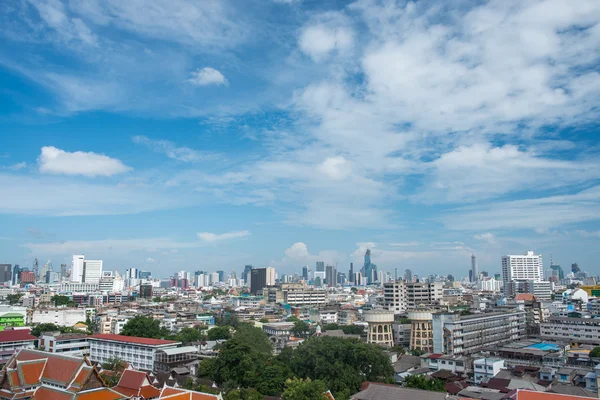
(77,268)
(247,274)
(457,334)
(351,273)
(145,275)
(305,273)
(320,266)
(270,276)
(92,271)
(521,268)
(258,280)
(221,276)
(408,276)
(331,276)
(474,269)
(370,269)
(69,344)
(63,271)
(44,272)
(573,330)
(5,272)
(16,275)
(36,269)
(557,271)
(27,277)
(137,351)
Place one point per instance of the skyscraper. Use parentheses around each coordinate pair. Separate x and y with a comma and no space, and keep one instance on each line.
(5,272)
(36,270)
(370,269)
(575,268)
(63,271)
(474,269)
(92,271)
(270,276)
(44,272)
(305,272)
(16,275)
(408,276)
(351,273)
(77,268)
(557,271)
(528,267)
(221,276)
(331,276)
(258,280)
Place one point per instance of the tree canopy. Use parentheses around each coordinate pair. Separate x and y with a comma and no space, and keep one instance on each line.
(59,300)
(595,352)
(425,383)
(301,329)
(146,327)
(303,389)
(219,332)
(188,335)
(50,327)
(14,298)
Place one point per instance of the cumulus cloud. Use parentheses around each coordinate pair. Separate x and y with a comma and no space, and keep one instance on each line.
(218,237)
(207,76)
(319,40)
(297,250)
(57,161)
(335,168)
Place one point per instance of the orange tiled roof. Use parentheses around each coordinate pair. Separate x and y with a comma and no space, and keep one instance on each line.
(31,371)
(183,394)
(100,394)
(531,395)
(47,393)
(132,379)
(524,297)
(149,392)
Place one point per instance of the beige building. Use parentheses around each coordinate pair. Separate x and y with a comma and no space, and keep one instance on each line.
(379,327)
(421,330)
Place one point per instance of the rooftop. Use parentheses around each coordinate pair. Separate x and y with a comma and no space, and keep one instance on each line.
(133,339)
(17,335)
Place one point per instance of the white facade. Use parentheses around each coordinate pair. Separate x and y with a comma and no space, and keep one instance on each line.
(77,268)
(92,271)
(522,267)
(578,330)
(139,352)
(270,276)
(400,296)
(490,285)
(486,368)
(58,316)
(79,287)
(68,344)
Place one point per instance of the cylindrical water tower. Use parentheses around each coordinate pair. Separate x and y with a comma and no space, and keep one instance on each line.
(380,327)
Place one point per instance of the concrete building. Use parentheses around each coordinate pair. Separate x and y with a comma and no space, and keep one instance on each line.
(92,271)
(71,344)
(400,296)
(573,330)
(139,352)
(394,297)
(486,368)
(379,330)
(467,334)
(5,273)
(521,268)
(77,268)
(11,341)
(57,316)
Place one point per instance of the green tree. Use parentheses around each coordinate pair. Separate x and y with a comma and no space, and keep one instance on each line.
(301,329)
(146,327)
(113,369)
(331,327)
(264,320)
(188,335)
(292,318)
(14,298)
(304,389)
(595,352)
(398,349)
(243,394)
(417,352)
(425,383)
(352,330)
(46,327)
(219,332)
(342,364)
(59,300)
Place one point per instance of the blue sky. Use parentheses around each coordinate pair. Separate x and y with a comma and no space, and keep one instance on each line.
(170,135)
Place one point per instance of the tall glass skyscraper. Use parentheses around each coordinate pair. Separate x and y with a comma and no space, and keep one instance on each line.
(369,269)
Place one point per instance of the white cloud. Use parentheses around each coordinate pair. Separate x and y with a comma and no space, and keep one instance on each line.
(486,237)
(108,246)
(207,76)
(171,150)
(297,250)
(217,237)
(15,167)
(57,161)
(150,260)
(335,168)
(319,40)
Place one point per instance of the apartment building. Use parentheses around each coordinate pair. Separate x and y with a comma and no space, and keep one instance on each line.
(11,341)
(70,344)
(139,352)
(467,334)
(486,368)
(400,296)
(296,294)
(574,330)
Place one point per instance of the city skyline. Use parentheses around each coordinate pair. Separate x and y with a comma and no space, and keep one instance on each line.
(279,133)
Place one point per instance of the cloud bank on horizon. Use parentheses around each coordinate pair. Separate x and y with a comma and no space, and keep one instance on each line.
(426,131)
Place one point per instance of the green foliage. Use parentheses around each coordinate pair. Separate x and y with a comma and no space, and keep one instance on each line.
(342,364)
(229,319)
(49,327)
(425,383)
(116,366)
(417,352)
(292,318)
(398,349)
(330,327)
(595,352)
(465,312)
(219,332)
(188,335)
(403,321)
(303,389)
(264,320)
(14,298)
(191,385)
(352,330)
(146,327)
(243,394)
(59,300)
(301,329)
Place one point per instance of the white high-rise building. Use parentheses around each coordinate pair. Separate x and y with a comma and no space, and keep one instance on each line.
(77,268)
(92,271)
(270,276)
(522,268)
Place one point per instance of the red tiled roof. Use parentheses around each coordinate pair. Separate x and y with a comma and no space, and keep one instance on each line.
(31,371)
(100,394)
(524,297)
(436,355)
(131,339)
(47,393)
(17,335)
(132,379)
(149,392)
(531,395)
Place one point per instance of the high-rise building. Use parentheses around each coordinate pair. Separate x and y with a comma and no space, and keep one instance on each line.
(36,266)
(331,276)
(246,275)
(408,276)
(16,275)
(221,276)
(258,280)
(305,272)
(351,273)
(145,274)
(320,266)
(557,271)
(370,269)
(474,269)
(77,268)
(575,268)
(63,271)
(5,272)
(270,276)
(27,277)
(521,268)
(44,272)
(92,271)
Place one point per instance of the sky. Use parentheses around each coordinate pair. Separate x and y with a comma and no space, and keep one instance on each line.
(184,135)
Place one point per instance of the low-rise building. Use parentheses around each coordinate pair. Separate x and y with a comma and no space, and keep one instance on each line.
(139,352)
(486,368)
(71,344)
(11,319)
(11,341)
(58,316)
(574,330)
